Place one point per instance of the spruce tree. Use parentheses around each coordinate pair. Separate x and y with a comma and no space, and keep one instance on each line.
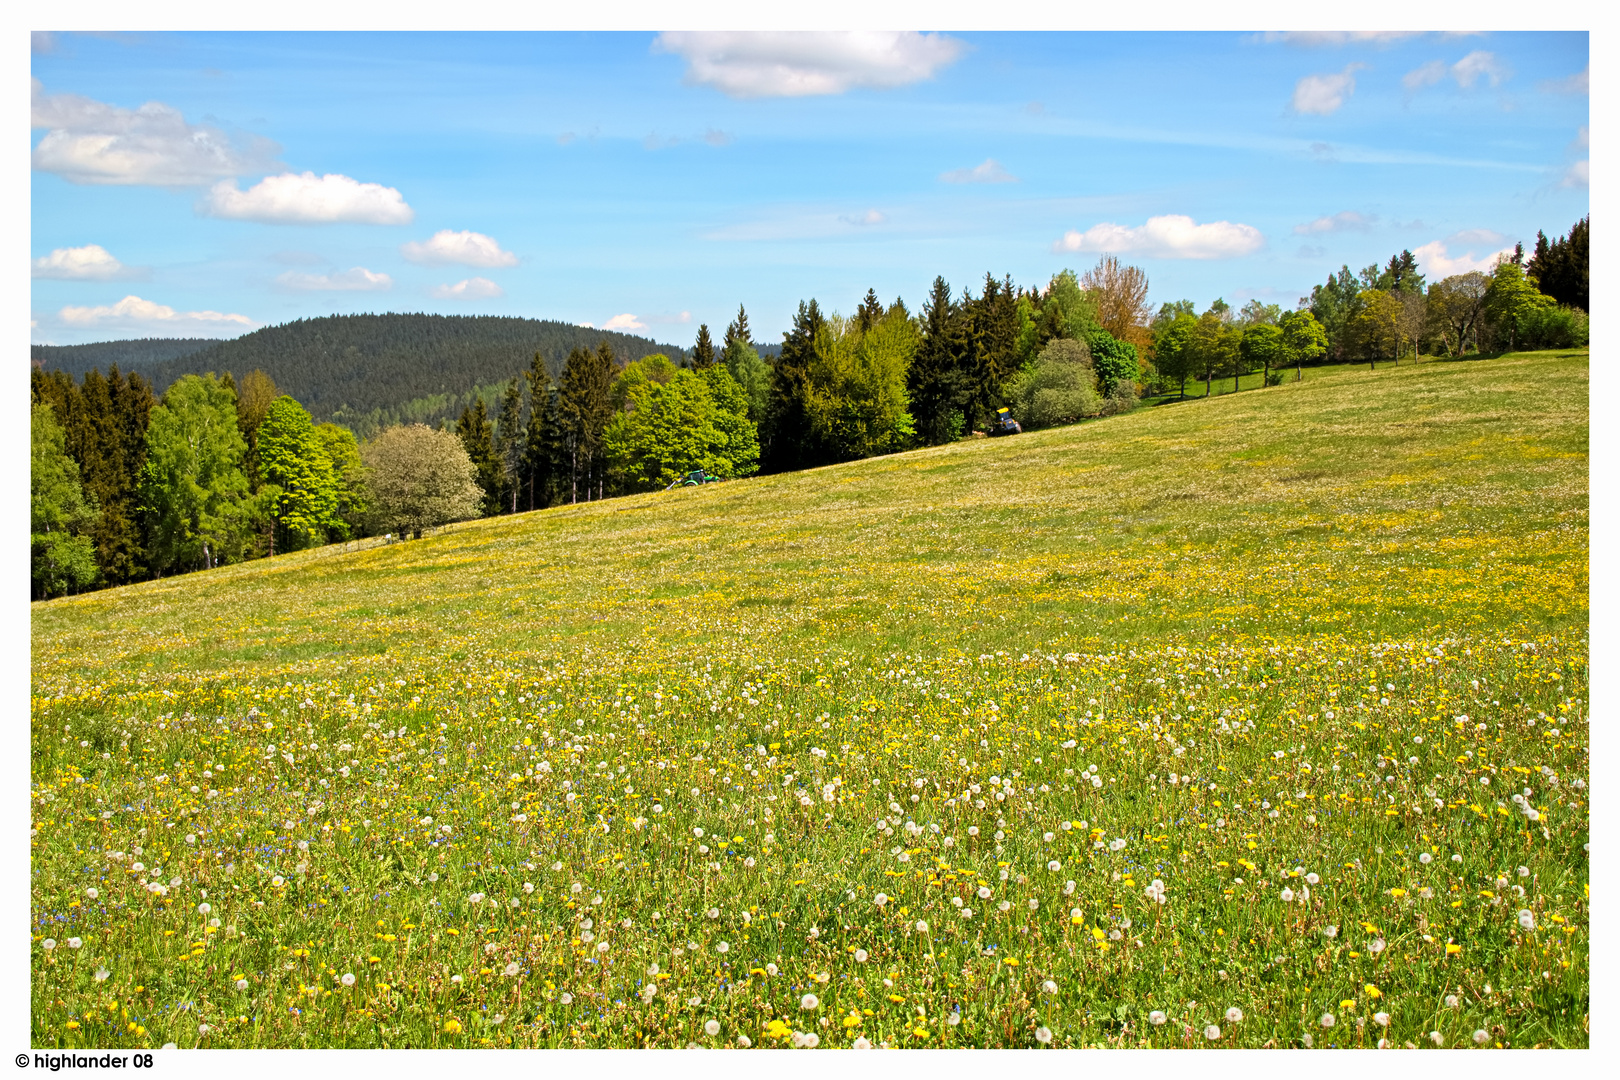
(584,404)
(737,331)
(703,351)
(935,382)
(478,439)
(509,440)
(870,311)
(787,441)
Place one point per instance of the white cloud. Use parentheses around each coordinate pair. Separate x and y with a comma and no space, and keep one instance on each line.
(1488,237)
(307,199)
(1345,220)
(989,171)
(356,279)
(465,248)
(1427,75)
(1578,83)
(1477,65)
(715,137)
(91,142)
(89,263)
(476,288)
(871,217)
(1579,174)
(1583,137)
(132,314)
(745,64)
(1171,236)
(1330,38)
(1322,95)
(626,321)
(1437,263)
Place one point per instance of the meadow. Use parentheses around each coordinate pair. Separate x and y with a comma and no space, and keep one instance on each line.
(1258,721)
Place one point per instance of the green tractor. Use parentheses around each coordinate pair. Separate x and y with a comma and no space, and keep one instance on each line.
(693,479)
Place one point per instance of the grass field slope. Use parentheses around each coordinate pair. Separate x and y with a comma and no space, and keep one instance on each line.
(1255,721)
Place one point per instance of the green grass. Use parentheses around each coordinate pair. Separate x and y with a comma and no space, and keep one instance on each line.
(1268,596)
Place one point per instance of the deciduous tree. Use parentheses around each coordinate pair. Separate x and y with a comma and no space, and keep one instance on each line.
(420,479)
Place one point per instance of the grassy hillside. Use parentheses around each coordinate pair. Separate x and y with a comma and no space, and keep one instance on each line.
(1293,640)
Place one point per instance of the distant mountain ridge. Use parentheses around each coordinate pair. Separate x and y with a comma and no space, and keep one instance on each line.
(367,371)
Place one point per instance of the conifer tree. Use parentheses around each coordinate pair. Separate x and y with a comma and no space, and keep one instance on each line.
(935,382)
(509,441)
(584,404)
(787,440)
(478,438)
(703,351)
(870,311)
(737,331)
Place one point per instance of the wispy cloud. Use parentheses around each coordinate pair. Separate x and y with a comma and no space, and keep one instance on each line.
(1478,65)
(464,248)
(135,315)
(871,217)
(1171,236)
(1426,75)
(307,199)
(90,142)
(989,171)
(1334,38)
(476,288)
(1343,221)
(1322,95)
(747,64)
(92,262)
(1578,83)
(357,279)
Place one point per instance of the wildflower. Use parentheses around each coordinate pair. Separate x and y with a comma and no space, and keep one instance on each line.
(1330,932)
(101,974)
(1212,1033)
(1054,866)
(1527,920)
(1034,904)
(1117,844)
(1234,1014)
(922,927)
(1375,946)
(1381,1019)
(809,1002)
(1049,987)
(1043,1035)
(91,893)
(722,947)
(242,984)
(1327,1020)
(880,899)
(860,956)
(511,969)
(1312,879)
(452,1027)
(712,1028)
(1372,991)
(1288,896)
(984,892)
(1437,1038)
(565,998)
(48,944)
(203,909)
(861,1043)
(347,979)
(1425,858)
(1157,1018)
(1480,1038)
(74,943)
(1451,1001)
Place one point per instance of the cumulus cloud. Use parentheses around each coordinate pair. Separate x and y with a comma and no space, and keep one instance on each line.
(1437,262)
(743,64)
(476,288)
(1479,65)
(1171,236)
(89,263)
(1578,83)
(132,314)
(989,171)
(1344,221)
(1427,75)
(464,248)
(1321,95)
(307,199)
(626,321)
(356,279)
(91,142)
(1578,174)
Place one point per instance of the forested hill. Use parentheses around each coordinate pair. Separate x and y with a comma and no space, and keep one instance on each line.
(368,371)
(128,355)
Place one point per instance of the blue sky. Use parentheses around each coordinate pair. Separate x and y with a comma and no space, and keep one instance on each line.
(208,184)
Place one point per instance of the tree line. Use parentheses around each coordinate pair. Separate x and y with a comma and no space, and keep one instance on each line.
(128,486)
